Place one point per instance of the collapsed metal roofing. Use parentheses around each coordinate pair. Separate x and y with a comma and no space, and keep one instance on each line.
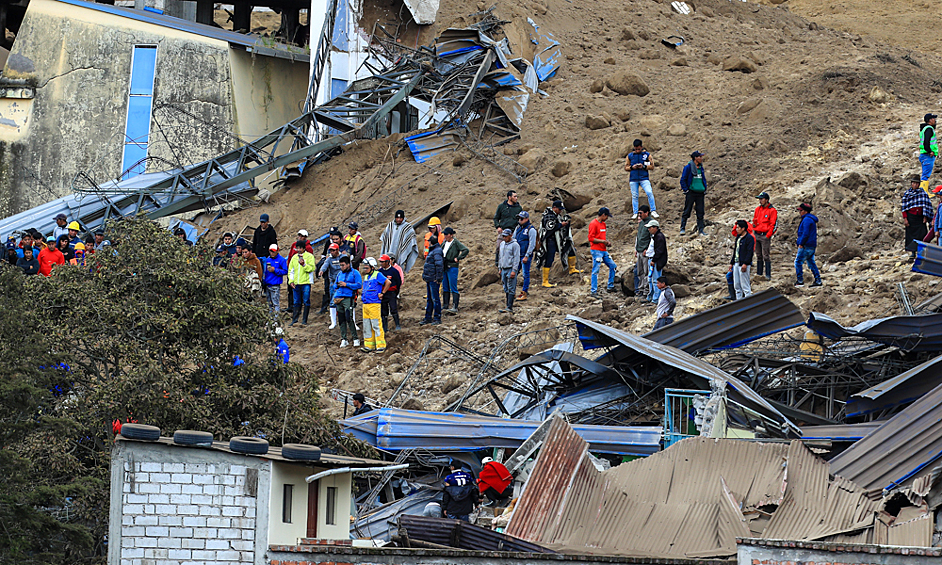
(909,333)
(839,432)
(690,501)
(462,535)
(396,429)
(898,450)
(732,324)
(901,389)
(595,335)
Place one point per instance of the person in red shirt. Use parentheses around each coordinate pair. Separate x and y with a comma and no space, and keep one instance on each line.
(763,228)
(50,256)
(494,481)
(598,246)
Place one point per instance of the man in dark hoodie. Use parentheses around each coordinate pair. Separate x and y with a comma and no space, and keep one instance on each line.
(460,494)
(741,261)
(807,243)
(27,262)
(658,261)
(432,273)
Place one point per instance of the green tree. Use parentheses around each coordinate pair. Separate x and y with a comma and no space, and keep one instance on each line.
(150,331)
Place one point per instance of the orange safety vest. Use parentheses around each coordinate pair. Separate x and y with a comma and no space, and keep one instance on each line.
(428,236)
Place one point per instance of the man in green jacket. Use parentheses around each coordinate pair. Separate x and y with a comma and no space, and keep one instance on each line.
(506,216)
(454,251)
(928,150)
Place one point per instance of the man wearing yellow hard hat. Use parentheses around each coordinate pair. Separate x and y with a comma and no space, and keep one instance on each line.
(434,230)
(74,229)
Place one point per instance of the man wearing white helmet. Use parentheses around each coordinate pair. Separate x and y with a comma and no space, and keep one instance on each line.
(494,481)
(375,286)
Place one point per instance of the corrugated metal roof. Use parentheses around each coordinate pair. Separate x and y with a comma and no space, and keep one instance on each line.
(687,501)
(462,535)
(398,429)
(594,334)
(274,453)
(909,333)
(928,259)
(899,449)
(253,43)
(839,432)
(901,389)
(732,324)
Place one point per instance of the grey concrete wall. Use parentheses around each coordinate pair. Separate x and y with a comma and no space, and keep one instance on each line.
(835,554)
(79,61)
(177,505)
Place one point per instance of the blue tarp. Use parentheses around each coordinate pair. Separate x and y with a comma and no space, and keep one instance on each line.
(397,429)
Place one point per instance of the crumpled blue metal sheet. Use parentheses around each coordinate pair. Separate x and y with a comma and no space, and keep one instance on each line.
(548,53)
(426,145)
(448,431)
(909,333)
(381,524)
(928,259)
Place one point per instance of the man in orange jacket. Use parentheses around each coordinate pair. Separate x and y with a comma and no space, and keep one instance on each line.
(763,228)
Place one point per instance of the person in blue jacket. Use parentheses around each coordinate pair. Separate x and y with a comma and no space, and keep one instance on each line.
(807,243)
(276,267)
(344,290)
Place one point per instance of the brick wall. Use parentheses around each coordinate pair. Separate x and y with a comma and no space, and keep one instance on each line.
(780,552)
(175,512)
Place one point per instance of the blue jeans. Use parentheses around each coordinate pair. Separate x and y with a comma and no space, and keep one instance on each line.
(524,269)
(433,304)
(654,292)
(302,294)
(450,282)
(646,185)
(928,162)
(599,257)
(806,254)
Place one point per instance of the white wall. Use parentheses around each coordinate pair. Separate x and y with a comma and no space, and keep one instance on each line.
(341,527)
(280,532)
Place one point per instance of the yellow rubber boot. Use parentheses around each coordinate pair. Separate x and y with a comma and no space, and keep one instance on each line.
(572,266)
(546,282)
(924,185)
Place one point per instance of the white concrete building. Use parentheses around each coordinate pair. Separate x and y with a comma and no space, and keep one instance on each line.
(175,504)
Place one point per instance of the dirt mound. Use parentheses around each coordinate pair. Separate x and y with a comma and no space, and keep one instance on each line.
(793,114)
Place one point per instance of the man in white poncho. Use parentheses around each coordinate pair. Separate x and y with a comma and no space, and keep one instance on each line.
(399,241)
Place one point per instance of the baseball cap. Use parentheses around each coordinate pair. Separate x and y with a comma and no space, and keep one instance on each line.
(696,154)
(51,239)
(263,218)
(11,245)
(928,117)
(400,214)
(384,257)
(525,215)
(804,206)
(273,247)
(221,249)
(353,225)
(60,217)
(654,224)
(486,460)
(558,204)
(448,231)
(604,210)
(99,231)
(333,246)
(302,232)
(505,233)
(764,195)
(937,190)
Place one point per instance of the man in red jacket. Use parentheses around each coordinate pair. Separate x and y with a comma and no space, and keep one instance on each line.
(50,256)
(763,228)
(494,482)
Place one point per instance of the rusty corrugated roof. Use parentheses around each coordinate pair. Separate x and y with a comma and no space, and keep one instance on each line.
(688,501)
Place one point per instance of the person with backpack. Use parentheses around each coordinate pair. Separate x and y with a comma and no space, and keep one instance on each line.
(357,245)
(460,494)
(694,184)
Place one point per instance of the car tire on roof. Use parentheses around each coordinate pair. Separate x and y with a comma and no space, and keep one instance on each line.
(140,431)
(192,437)
(249,445)
(301,452)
